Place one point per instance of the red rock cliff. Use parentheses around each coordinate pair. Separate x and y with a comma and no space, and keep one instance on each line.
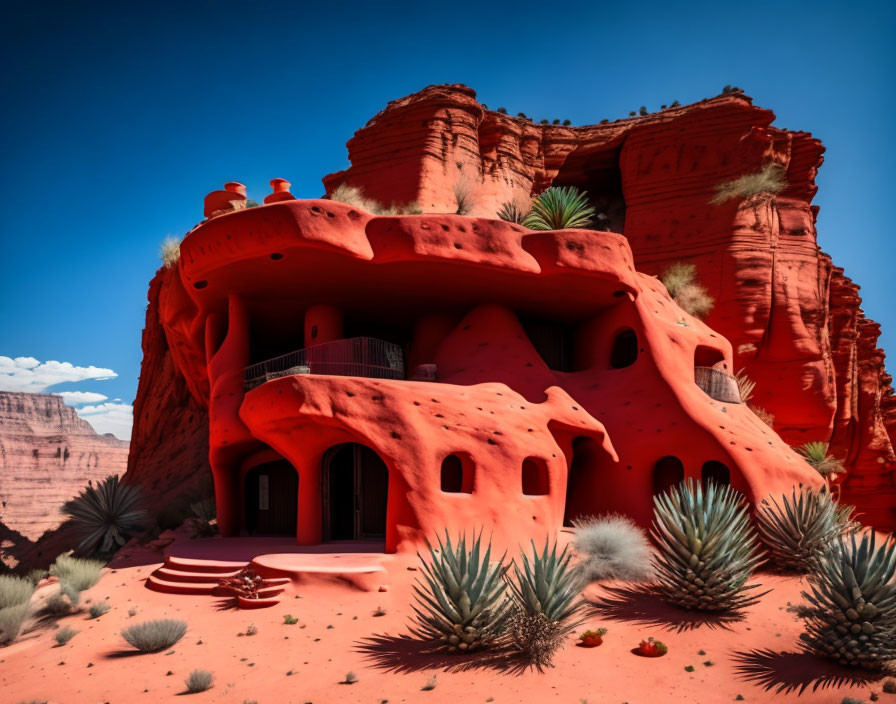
(47,455)
(794,321)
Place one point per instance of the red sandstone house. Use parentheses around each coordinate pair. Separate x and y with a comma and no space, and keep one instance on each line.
(390,377)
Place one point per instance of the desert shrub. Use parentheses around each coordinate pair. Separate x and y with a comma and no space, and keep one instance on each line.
(354,196)
(547,603)
(205,511)
(800,529)
(763,415)
(12,618)
(706,547)
(816,454)
(745,386)
(64,635)
(290,620)
(76,575)
(152,636)
(199,681)
(769,180)
(57,605)
(461,599)
(463,196)
(503,111)
(643,111)
(14,591)
(350,678)
(108,514)
(851,614)
(169,251)
(98,609)
(680,280)
(430,684)
(515,211)
(560,208)
(567,123)
(612,547)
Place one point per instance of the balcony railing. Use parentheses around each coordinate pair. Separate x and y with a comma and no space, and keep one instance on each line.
(357,356)
(717,384)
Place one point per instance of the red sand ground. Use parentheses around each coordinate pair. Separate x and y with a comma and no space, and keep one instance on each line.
(757,658)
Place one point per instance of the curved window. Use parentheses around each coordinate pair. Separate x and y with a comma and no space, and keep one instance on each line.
(667,473)
(715,472)
(535,477)
(625,349)
(456,477)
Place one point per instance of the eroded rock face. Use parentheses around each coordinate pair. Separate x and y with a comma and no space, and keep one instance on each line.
(794,320)
(47,455)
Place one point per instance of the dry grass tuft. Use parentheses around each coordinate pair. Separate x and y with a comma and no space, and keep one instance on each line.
(611,547)
(463,195)
(170,251)
(152,636)
(767,181)
(14,591)
(680,280)
(745,386)
(12,618)
(354,196)
(763,415)
(199,681)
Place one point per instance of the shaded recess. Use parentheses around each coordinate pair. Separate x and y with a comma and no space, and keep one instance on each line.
(595,169)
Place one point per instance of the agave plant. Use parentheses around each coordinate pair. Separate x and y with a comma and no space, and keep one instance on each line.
(800,529)
(107,513)
(816,454)
(560,208)
(461,602)
(852,603)
(707,548)
(514,211)
(547,602)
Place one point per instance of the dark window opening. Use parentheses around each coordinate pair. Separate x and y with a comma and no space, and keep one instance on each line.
(717,472)
(552,341)
(709,357)
(536,480)
(456,478)
(625,349)
(667,473)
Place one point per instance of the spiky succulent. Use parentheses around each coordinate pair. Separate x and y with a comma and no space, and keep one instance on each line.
(560,208)
(547,602)
(108,514)
(707,548)
(816,454)
(852,602)
(462,603)
(799,529)
(514,211)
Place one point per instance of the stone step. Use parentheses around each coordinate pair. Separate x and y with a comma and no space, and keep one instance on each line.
(172,575)
(187,564)
(158,584)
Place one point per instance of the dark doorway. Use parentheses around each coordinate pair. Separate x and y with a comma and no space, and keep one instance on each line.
(667,473)
(582,484)
(356,483)
(717,472)
(271,492)
(625,349)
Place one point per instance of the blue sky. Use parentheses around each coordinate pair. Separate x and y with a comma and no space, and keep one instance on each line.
(119,117)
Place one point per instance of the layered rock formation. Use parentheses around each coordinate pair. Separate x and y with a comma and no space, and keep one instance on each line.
(794,320)
(47,455)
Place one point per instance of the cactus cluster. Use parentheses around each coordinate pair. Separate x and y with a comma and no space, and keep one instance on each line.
(464,604)
(707,548)
(852,603)
(798,530)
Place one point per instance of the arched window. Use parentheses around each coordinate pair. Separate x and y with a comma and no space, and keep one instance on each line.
(457,476)
(667,473)
(625,349)
(715,472)
(535,477)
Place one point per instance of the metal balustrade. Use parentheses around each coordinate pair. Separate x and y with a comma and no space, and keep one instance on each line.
(717,384)
(356,356)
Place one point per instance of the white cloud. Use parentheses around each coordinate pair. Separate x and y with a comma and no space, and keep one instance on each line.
(78,398)
(115,418)
(33,376)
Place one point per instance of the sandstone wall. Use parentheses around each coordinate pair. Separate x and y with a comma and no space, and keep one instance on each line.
(47,455)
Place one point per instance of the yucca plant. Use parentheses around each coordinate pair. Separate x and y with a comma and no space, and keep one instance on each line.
(706,547)
(799,529)
(816,454)
(560,208)
(462,603)
(514,211)
(547,602)
(108,514)
(852,603)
